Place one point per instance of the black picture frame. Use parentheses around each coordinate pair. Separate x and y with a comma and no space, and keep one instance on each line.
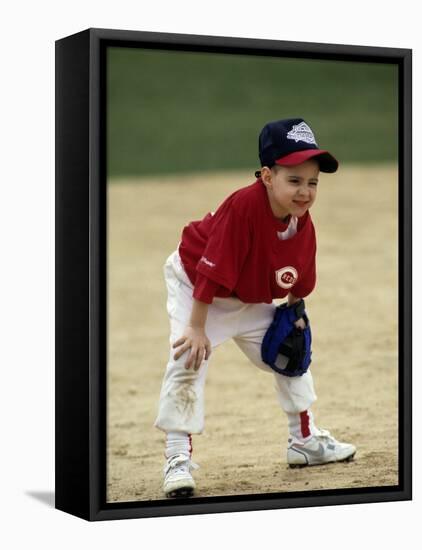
(81,273)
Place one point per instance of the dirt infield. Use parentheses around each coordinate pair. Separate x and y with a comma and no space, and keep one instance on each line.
(353,312)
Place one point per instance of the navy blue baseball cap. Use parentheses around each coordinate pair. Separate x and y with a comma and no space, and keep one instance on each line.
(289,142)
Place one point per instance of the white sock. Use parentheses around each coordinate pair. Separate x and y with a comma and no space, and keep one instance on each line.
(301,426)
(178,443)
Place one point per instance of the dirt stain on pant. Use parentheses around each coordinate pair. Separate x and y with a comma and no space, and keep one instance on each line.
(185,398)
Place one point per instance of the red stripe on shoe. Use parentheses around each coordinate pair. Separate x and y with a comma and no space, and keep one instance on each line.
(304,424)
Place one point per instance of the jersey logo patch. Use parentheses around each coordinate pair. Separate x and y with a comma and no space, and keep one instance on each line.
(286,277)
(301,132)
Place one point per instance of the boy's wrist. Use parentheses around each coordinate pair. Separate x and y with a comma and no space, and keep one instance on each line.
(198,317)
(291,299)
(196,326)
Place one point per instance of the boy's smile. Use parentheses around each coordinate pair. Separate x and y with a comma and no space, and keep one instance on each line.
(291,189)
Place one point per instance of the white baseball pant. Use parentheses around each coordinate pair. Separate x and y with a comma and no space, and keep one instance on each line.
(181,405)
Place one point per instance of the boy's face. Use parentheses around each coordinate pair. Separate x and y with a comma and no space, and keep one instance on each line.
(291,189)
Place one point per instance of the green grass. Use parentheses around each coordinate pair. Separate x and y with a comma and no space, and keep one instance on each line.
(172,112)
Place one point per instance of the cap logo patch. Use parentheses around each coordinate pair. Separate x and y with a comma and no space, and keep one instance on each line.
(302,132)
(286,277)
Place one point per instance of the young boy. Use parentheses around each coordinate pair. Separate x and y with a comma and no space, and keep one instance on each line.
(259,245)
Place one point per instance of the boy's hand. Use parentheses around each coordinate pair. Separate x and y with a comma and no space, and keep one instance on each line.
(195,339)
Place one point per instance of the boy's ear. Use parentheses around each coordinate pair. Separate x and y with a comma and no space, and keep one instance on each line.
(266,176)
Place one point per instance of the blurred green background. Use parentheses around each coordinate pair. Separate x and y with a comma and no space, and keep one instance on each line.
(172,112)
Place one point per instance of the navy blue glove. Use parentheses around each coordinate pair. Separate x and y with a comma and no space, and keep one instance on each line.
(284,337)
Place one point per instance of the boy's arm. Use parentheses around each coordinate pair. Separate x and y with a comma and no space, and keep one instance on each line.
(291,299)
(194,337)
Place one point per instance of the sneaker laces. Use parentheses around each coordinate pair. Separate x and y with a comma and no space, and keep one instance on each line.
(320,432)
(325,434)
(180,464)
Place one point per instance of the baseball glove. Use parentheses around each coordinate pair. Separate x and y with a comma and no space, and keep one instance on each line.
(285,338)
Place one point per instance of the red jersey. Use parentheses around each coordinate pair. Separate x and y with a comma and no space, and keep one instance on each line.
(238,252)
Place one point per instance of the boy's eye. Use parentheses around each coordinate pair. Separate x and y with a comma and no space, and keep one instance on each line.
(314,183)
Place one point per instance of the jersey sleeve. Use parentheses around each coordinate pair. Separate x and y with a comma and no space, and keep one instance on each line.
(227,247)
(205,289)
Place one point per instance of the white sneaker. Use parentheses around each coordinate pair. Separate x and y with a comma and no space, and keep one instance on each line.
(178,481)
(322,448)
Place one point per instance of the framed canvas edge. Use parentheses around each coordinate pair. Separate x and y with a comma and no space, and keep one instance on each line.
(72,369)
(314,49)
(250,503)
(99,509)
(405,270)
